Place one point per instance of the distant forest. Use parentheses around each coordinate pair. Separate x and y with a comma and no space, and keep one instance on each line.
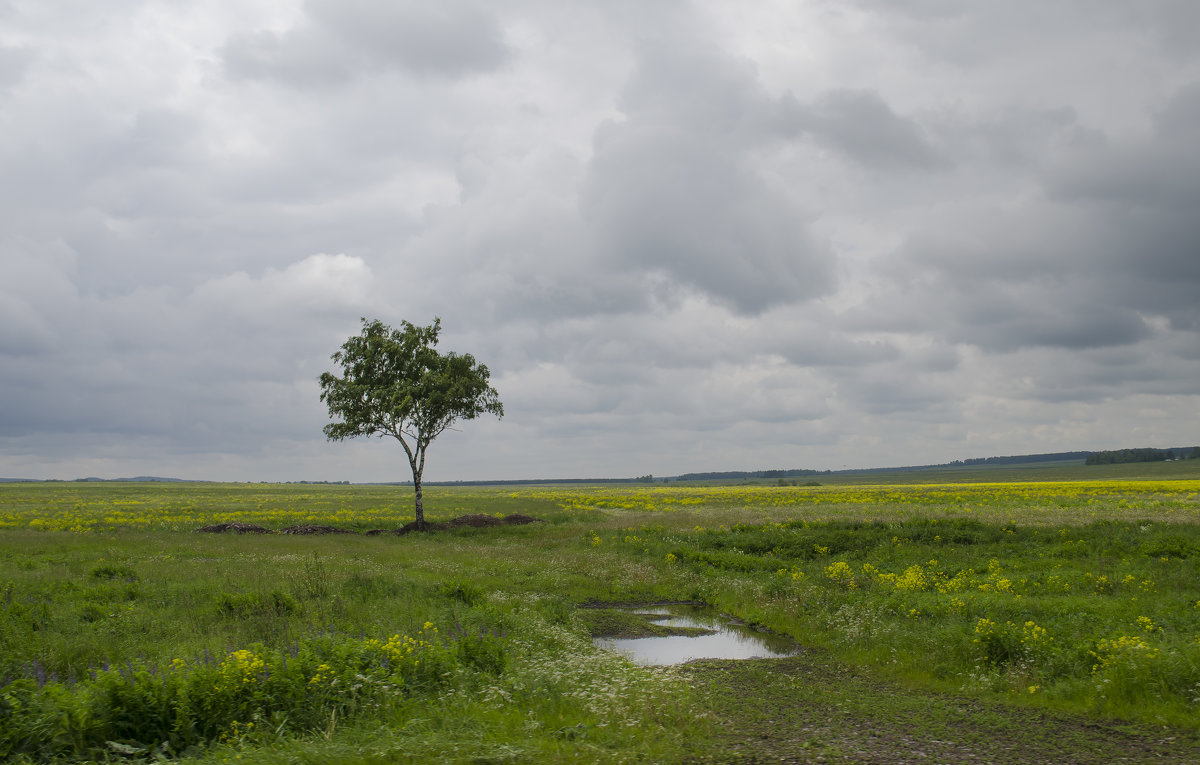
(1141,455)
(1023,459)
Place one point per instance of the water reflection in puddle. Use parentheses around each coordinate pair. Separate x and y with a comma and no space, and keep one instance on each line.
(726,641)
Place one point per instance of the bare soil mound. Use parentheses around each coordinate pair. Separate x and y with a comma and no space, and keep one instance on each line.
(475,520)
(236,527)
(516,519)
(310,528)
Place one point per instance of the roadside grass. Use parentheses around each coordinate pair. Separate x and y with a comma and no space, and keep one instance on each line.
(1059,597)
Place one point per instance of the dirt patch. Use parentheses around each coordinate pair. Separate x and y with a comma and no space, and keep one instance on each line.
(476,520)
(516,519)
(462,521)
(236,527)
(309,528)
(810,708)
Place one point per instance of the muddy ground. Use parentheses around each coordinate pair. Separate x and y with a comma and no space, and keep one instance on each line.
(811,709)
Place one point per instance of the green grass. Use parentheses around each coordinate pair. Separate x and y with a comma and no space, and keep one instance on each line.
(186,506)
(1074,599)
(1102,618)
(167,611)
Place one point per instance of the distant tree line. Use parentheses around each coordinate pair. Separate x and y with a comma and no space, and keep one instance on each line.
(1118,456)
(1022,459)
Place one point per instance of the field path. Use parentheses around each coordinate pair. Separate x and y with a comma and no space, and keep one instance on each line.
(810,709)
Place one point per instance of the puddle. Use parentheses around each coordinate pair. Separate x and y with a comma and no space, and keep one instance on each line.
(726,641)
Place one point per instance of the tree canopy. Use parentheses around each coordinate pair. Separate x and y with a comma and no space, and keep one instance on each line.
(395,383)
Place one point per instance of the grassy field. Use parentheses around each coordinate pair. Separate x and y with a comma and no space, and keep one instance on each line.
(1052,614)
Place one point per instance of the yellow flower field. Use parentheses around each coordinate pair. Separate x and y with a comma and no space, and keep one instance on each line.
(82,507)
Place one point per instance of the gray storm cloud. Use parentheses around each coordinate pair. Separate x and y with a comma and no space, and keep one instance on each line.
(342,40)
(675,186)
(682,238)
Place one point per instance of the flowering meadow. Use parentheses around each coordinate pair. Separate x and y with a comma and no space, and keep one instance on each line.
(91,506)
(126,635)
(1079,595)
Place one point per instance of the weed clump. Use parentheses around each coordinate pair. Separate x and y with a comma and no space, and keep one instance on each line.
(143,708)
(109,572)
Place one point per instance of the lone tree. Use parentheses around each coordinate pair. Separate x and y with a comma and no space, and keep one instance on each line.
(395,383)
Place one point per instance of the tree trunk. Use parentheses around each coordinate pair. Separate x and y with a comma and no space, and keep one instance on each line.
(420,507)
(416,461)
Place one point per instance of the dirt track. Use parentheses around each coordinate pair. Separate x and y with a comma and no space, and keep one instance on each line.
(808,709)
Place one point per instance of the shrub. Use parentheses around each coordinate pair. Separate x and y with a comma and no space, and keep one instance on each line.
(463,591)
(244,605)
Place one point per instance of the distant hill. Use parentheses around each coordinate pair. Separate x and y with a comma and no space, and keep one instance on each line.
(1062,458)
(1066,458)
(93,479)
(138,479)
(1019,459)
(746,474)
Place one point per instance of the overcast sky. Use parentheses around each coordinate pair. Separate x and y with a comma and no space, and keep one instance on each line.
(683,236)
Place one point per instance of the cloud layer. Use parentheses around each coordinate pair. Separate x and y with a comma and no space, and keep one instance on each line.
(682,237)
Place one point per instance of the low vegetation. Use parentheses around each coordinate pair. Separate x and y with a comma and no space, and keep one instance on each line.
(126,635)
